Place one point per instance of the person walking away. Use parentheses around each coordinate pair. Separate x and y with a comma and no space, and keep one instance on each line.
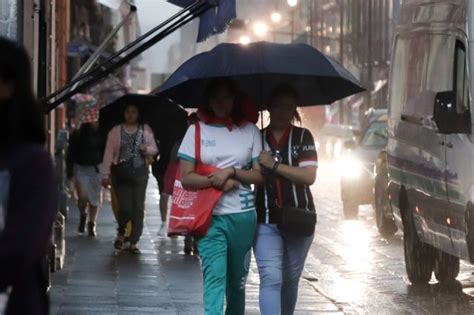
(290,166)
(128,146)
(84,164)
(231,144)
(28,188)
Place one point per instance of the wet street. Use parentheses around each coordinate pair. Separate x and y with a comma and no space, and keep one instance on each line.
(350,270)
(364,273)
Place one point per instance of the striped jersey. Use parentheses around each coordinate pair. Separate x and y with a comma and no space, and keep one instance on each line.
(296,148)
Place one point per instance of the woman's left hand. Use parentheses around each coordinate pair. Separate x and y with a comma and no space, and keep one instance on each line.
(220,177)
(266,159)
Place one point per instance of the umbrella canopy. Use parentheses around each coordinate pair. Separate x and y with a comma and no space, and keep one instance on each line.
(259,67)
(167,120)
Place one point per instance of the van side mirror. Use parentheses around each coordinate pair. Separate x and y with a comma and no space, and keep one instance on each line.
(447,118)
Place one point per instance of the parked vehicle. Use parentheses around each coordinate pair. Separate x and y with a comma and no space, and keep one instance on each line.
(331,139)
(430,147)
(357,167)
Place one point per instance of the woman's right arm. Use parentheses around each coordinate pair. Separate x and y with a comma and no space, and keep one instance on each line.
(190,179)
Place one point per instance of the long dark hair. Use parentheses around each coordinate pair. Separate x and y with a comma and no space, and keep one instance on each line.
(236,114)
(22,120)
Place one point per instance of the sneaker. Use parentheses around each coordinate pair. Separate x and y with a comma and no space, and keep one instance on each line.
(134,249)
(82,223)
(163,229)
(118,244)
(91,229)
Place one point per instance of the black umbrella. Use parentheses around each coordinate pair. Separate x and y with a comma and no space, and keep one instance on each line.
(167,120)
(259,67)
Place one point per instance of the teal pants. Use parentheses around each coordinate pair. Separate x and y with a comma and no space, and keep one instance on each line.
(225,257)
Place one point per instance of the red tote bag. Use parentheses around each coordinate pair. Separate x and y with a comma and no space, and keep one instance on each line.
(191,210)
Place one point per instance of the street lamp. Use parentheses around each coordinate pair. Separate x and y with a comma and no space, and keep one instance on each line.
(276,17)
(260,29)
(292,3)
(244,40)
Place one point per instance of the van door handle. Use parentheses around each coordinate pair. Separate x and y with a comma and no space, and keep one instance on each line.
(441,142)
(449,145)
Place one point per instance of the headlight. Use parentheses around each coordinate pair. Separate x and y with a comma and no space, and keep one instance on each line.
(350,167)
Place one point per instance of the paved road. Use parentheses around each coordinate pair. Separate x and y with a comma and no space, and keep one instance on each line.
(350,269)
(364,273)
(162,280)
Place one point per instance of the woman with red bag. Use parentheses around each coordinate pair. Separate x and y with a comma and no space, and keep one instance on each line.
(232,144)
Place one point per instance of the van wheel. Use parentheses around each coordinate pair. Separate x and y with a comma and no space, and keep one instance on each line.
(386,226)
(419,257)
(446,267)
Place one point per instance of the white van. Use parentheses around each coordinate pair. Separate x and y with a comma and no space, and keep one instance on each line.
(430,149)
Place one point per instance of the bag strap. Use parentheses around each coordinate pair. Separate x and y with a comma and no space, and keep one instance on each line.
(197,141)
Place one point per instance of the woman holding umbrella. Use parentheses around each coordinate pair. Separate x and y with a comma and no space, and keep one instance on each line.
(128,147)
(290,164)
(231,144)
(258,68)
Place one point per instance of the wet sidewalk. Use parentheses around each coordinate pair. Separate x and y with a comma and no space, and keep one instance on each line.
(162,280)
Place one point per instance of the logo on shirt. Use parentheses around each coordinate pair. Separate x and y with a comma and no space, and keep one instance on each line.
(208,143)
(295,151)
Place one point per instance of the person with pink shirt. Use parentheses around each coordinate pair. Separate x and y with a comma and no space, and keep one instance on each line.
(128,147)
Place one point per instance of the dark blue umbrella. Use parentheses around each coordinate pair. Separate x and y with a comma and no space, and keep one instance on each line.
(259,67)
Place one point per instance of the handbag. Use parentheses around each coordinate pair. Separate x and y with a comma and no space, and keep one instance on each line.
(191,210)
(125,171)
(297,221)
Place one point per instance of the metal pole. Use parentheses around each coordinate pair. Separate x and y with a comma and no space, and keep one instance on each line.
(192,8)
(98,52)
(96,77)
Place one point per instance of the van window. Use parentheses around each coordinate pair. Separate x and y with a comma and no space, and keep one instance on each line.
(461,83)
(421,68)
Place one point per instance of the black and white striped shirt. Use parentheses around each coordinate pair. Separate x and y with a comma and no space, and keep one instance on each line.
(296,148)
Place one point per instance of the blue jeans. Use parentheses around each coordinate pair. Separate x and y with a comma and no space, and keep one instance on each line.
(280,260)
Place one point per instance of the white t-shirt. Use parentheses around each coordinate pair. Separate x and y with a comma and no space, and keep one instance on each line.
(223,148)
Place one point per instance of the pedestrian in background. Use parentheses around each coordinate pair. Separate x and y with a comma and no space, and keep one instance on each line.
(128,147)
(28,189)
(231,144)
(84,164)
(290,164)
(158,171)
